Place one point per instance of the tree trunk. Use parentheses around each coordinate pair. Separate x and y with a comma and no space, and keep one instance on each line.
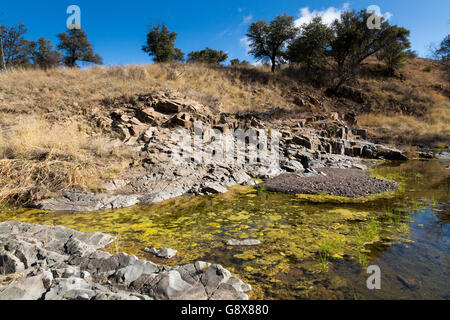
(3,54)
(273,64)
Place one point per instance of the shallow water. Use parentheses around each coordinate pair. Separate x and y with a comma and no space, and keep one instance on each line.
(310,250)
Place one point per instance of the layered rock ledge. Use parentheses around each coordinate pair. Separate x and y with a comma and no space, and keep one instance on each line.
(57,263)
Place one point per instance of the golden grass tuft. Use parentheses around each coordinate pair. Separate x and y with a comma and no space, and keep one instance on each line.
(407,129)
(39,158)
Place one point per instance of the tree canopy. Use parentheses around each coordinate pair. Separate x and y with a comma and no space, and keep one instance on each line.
(161,45)
(354,41)
(394,56)
(15,50)
(311,46)
(208,55)
(44,56)
(268,40)
(76,47)
(443,51)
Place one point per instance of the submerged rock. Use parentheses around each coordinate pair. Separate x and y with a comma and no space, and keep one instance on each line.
(58,263)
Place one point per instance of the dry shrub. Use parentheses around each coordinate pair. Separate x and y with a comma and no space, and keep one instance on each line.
(24,181)
(34,139)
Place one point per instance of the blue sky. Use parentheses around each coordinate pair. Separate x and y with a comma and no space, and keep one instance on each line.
(118,29)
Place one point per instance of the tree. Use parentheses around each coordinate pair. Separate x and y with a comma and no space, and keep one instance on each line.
(25,55)
(76,47)
(44,56)
(237,62)
(311,46)
(354,41)
(161,45)
(443,51)
(268,41)
(234,62)
(394,56)
(179,55)
(208,55)
(14,49)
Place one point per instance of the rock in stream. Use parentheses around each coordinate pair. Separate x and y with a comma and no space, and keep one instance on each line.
(40,262)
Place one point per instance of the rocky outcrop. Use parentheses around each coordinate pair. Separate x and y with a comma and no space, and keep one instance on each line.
(57,263)
(144,127)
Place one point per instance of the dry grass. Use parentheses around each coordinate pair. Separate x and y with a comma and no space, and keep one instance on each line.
(66,92)
(405,129)
(413,110)
(39,158)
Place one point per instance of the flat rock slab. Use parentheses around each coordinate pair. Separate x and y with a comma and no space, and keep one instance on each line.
(83,201)
(55,238)
(340,182)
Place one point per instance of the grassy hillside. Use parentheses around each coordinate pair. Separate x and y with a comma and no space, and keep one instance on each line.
(420,99)
(49,138)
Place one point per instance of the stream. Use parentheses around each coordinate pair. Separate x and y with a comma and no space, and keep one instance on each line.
(317,249)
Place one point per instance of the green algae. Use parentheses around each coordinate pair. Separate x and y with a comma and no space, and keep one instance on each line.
(291,231)
(328,198)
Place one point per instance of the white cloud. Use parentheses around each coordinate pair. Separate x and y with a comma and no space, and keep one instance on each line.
(257,63)
(387,15)
(247,19)
(328,15)
(225,32)
(245,43)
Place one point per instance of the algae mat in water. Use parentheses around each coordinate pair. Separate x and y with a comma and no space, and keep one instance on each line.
(305,246)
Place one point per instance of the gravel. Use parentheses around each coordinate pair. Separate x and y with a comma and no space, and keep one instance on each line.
(339,182)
